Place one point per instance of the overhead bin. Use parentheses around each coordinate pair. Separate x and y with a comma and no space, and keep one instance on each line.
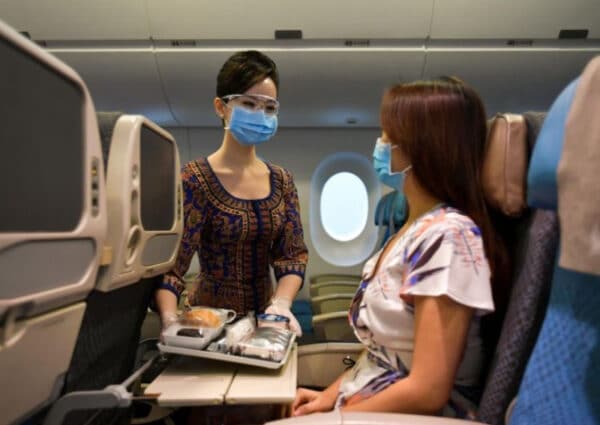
(78,20)
(317,19)
(124,80)
(529,19)
(511,80)
(314,82)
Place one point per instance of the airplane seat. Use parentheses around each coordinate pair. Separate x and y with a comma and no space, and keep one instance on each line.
(561,383)
(330,298)
(331,302)
(143,188)
(531,236)
(53,221)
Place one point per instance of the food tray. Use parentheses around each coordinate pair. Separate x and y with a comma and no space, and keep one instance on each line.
(232,358)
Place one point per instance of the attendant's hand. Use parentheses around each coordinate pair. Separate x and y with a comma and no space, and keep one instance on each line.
(281,306)
(309,401)
(166,319)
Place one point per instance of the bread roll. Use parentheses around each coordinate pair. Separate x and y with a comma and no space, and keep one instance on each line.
(201,317)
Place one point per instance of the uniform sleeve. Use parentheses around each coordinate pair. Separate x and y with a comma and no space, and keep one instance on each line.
(449,259)
(192,228)
(289,253)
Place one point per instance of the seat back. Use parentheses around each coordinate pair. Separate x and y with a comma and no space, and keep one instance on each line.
(145,218)
(561,383)
(144,230)
(532,238)
(52,220)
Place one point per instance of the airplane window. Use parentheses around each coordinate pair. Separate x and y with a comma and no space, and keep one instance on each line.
(344,190)
(344,206)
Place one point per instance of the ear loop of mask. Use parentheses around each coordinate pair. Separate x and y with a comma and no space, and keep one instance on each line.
(405,170)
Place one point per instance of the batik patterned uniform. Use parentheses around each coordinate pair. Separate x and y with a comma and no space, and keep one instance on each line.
(236,240)
(441,253)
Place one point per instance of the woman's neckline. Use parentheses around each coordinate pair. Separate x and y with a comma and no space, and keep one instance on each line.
(393,242)
(228,193)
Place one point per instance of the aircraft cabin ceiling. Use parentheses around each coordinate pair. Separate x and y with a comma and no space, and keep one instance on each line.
(161,58)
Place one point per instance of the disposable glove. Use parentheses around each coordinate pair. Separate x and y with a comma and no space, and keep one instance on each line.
(166,319)
(281,306)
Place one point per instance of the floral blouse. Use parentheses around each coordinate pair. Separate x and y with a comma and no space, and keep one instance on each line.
(236,240)
(441,253)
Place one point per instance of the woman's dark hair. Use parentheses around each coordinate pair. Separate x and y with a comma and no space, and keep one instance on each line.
(243,70)
(440,126)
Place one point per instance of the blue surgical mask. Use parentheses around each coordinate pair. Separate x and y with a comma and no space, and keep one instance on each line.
(382,161)
(251,127)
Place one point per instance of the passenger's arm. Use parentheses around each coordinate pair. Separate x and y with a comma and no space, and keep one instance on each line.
(441,327)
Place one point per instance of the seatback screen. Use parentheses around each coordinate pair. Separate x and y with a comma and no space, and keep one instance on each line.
(41,146)
(157,180)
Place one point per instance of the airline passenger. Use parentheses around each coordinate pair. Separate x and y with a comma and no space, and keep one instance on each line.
(241,213)
(418,308)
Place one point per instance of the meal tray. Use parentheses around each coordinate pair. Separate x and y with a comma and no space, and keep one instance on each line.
(232,358)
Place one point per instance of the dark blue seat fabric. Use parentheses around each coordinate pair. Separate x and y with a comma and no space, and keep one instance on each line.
(536,249)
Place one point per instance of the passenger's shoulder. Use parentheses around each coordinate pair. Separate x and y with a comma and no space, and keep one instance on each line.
(459,220)
(446,221)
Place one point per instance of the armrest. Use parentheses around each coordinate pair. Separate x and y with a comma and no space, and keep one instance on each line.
(110,397)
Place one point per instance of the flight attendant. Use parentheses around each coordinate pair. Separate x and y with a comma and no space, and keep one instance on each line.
(241,213)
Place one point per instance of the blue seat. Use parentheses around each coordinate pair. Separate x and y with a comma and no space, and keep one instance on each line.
(561,384)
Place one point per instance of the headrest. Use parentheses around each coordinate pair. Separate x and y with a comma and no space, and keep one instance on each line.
(143,187)
(543,192)
(505,164)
